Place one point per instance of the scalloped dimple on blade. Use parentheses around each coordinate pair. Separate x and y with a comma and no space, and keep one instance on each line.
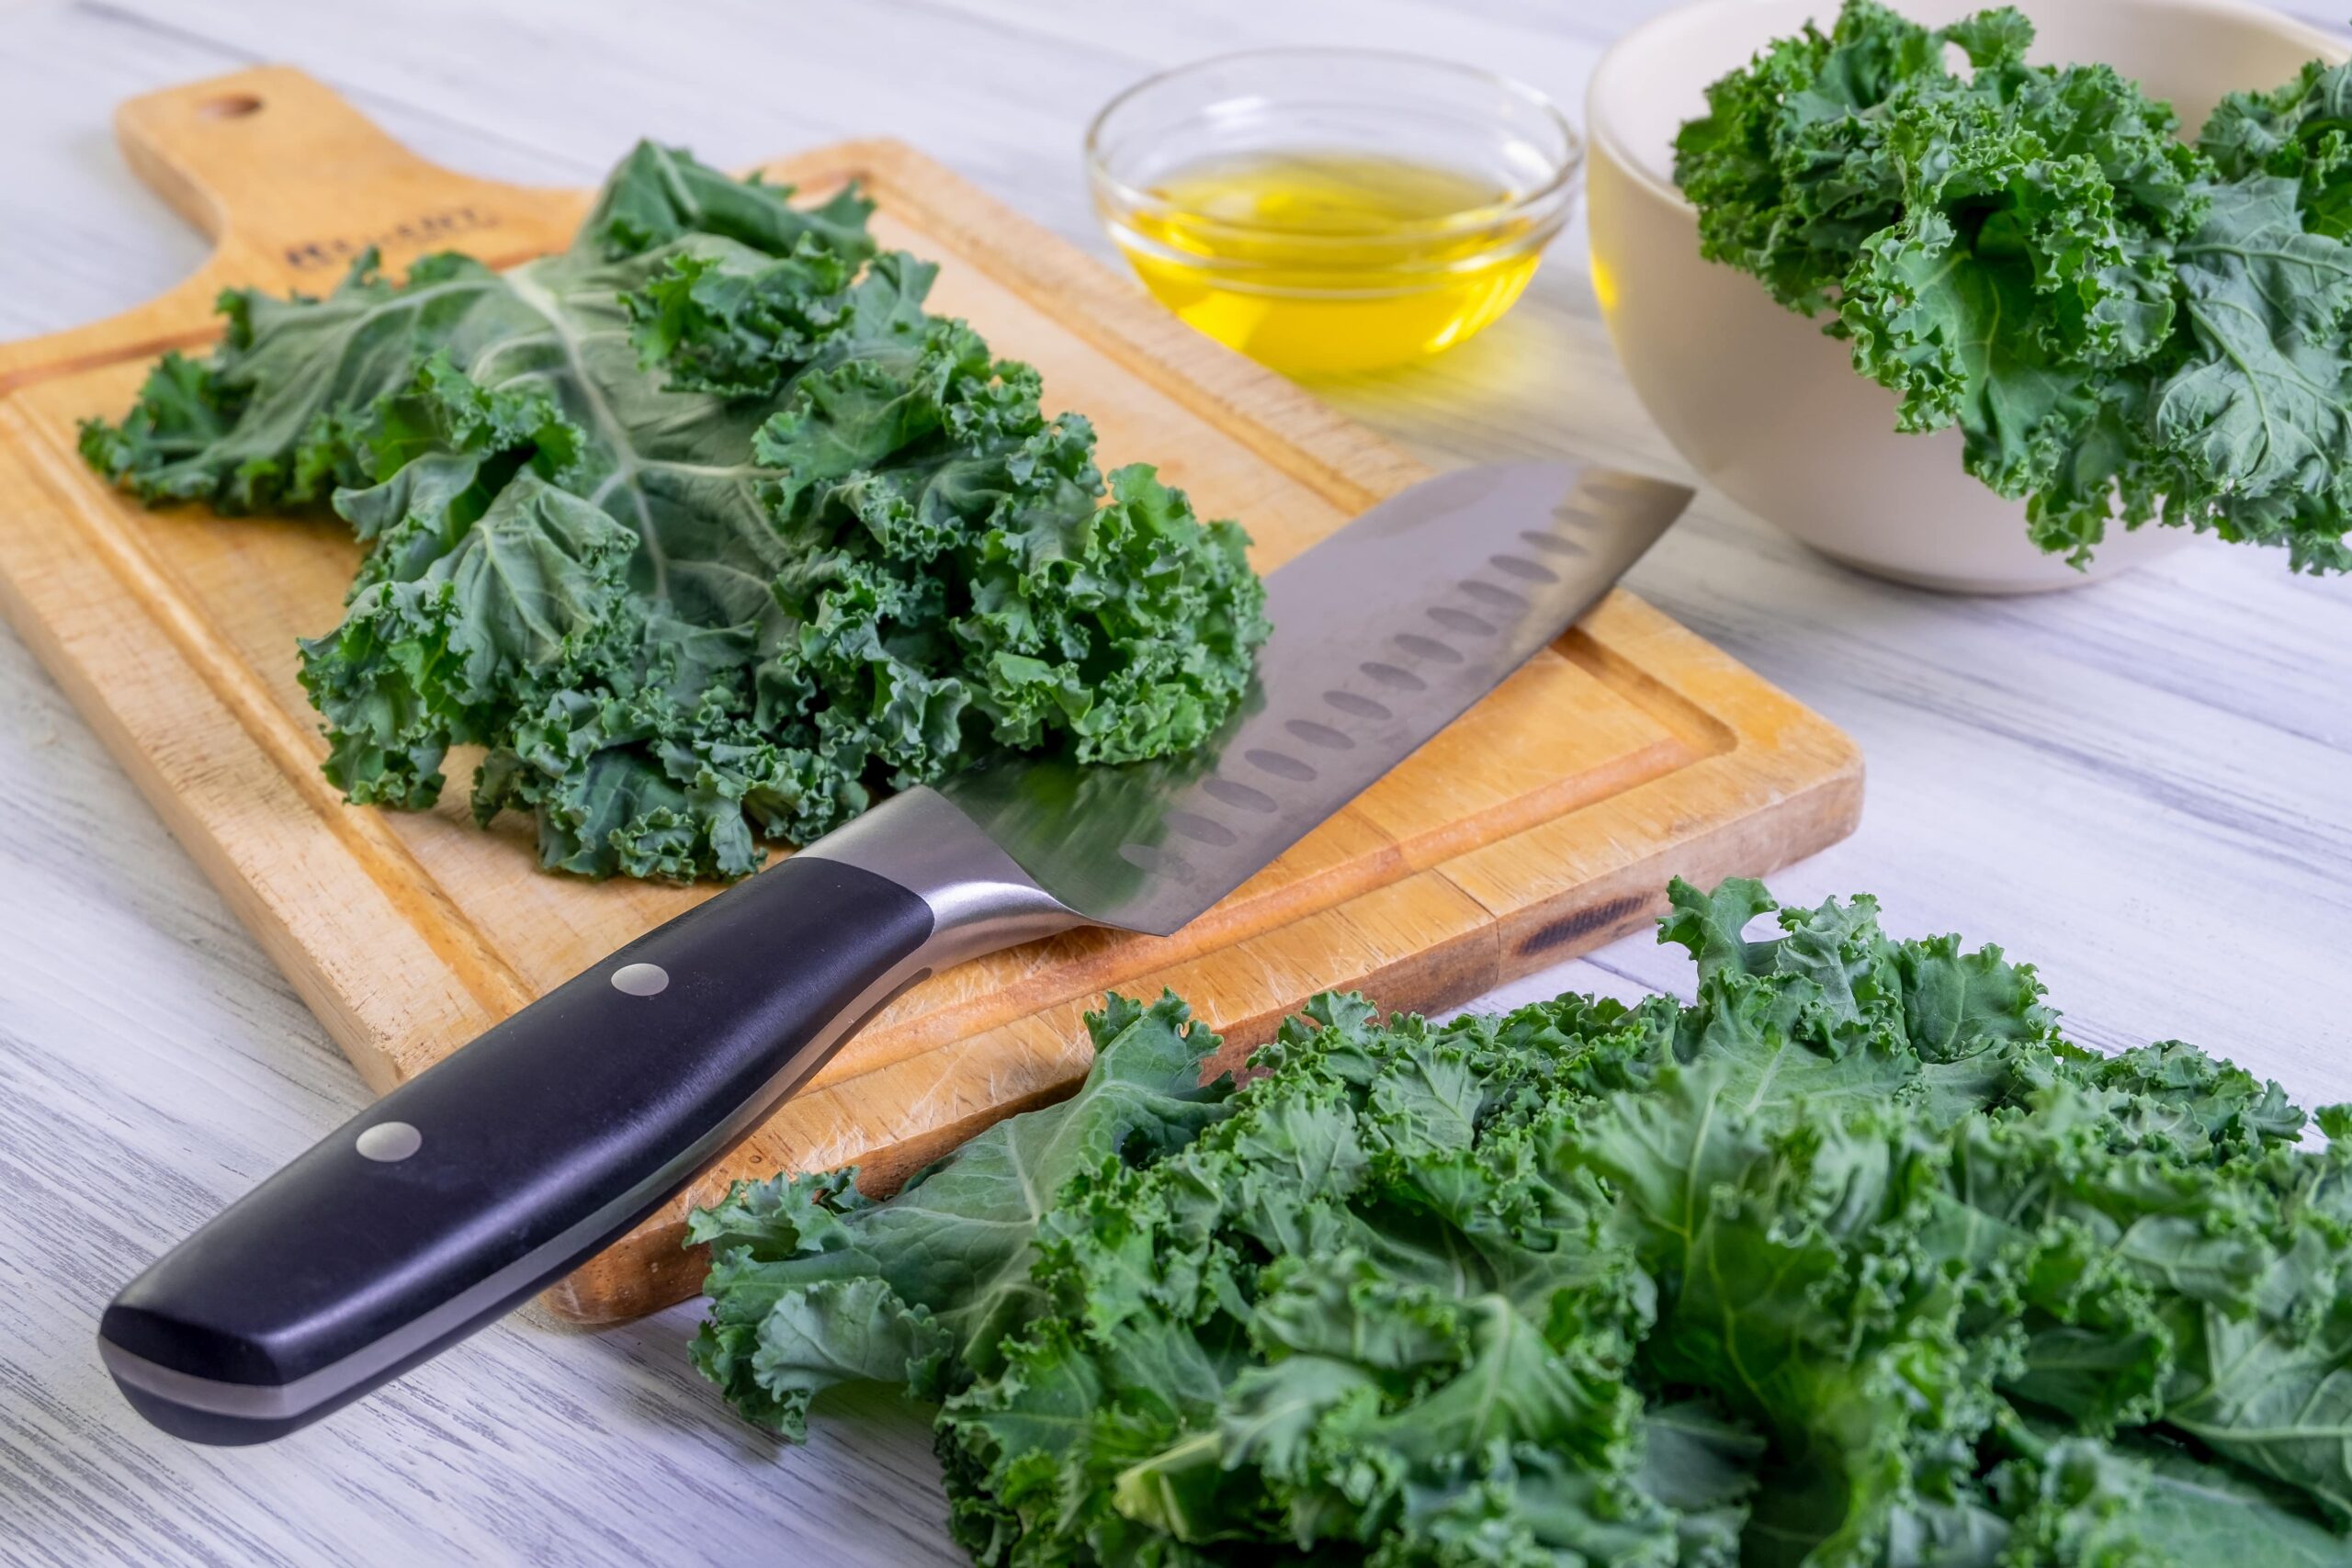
(1384,634)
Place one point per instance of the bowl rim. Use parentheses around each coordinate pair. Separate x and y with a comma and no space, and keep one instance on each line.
(1558,185)
(1602,134)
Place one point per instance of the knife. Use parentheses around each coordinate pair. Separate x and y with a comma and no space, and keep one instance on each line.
(498,1170)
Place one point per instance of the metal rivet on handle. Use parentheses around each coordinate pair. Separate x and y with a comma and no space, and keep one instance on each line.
(387,1142)
(640,979)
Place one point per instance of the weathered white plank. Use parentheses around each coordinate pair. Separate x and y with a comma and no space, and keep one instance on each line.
(2145,787)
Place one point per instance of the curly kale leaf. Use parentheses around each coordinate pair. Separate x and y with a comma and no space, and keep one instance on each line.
(659,196)
(2303,131)
(2123,328)
(946,1264)
(1853,1261)
(704,530)
(2260,410)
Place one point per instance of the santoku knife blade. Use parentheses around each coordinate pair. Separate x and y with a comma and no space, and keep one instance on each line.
(478,1181)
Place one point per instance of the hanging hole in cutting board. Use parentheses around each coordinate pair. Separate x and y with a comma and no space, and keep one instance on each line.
(229,105)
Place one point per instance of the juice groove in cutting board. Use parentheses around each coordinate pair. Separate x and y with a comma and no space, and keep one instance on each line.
(1543,823)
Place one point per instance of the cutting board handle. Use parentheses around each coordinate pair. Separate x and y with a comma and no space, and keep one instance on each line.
(289,182)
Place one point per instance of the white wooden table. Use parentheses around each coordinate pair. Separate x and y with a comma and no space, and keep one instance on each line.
(2146,788)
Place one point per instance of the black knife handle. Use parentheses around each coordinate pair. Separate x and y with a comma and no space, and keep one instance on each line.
(503,1167)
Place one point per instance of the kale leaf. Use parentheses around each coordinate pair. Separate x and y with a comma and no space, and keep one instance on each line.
(1854,1260)
(2124,328)
(705,530)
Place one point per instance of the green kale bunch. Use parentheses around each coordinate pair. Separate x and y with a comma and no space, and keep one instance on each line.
(2123,326)
(1853,1262)
(705,530)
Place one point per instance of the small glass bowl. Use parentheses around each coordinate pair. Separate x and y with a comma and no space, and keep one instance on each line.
(1326,295)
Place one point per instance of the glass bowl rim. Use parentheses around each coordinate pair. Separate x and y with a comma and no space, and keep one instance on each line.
(1130,198)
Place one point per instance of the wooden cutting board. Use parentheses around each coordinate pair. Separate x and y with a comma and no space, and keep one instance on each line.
(1543,823)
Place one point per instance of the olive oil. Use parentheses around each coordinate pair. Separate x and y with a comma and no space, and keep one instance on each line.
(1318,263)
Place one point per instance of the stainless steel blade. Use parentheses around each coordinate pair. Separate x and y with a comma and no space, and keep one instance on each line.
(1385,633)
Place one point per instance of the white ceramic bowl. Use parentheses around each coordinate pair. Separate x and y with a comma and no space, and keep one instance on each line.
(1752,394)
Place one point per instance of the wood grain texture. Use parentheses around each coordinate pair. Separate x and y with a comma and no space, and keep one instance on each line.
(1540,824)
(270,165)
(2145,788)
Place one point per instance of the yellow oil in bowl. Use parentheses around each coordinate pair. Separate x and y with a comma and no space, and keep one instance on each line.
(1326,263)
